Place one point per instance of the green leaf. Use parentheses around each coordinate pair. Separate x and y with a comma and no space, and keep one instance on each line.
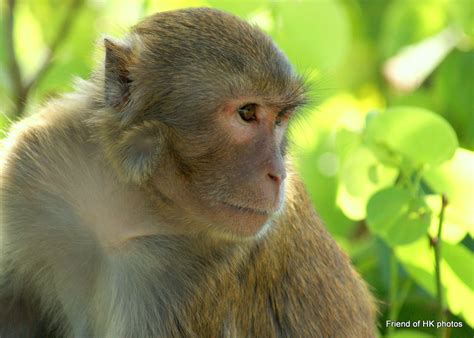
(461,14)
(407,22)
(385,207)
(456,179)
(411,135)
(458,108)
(451,232)
(360,177)
(346,142)
(458,279)
(398,217)
(314,34)
(457,273)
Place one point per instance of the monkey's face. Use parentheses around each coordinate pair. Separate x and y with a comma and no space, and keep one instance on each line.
(207,97)
(231,174)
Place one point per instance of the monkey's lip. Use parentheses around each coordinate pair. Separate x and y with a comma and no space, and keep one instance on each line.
(246,210)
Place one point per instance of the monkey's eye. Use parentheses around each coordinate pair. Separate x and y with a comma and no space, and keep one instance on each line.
(278,120)
(248,112)
(282,116)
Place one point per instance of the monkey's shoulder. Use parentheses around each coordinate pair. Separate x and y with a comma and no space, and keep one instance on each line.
(47,138)
(299,286)
(46,159)
(307,269)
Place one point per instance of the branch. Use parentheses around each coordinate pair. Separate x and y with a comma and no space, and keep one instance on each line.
(14,70)
(61,35)
(21,88)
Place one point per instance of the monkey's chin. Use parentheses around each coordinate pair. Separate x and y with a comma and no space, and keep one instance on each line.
(241,222)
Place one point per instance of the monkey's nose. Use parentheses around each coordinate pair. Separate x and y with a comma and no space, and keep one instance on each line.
(277,177)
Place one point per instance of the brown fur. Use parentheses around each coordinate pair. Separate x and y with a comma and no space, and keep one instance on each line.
(110,200)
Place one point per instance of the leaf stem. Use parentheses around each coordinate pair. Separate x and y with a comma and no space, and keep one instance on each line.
(393,312)
(404,290)
(436,243)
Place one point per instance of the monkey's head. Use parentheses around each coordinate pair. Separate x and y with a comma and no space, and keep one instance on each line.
(197,104)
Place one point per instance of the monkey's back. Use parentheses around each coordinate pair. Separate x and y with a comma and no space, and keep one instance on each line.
(45,170)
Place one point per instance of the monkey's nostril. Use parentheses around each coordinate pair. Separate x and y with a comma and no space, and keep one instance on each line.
(275,178)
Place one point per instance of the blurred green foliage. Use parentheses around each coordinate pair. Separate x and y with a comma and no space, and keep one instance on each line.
(393,130)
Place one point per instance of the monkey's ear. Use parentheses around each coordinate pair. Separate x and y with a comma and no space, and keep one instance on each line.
(118,58)
(137,150)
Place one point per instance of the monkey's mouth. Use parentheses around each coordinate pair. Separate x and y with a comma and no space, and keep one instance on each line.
(246,210)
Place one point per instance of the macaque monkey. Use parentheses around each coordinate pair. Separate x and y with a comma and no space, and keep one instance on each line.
(158,200)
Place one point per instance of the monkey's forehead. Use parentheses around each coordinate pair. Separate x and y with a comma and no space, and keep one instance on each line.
(212,55)
(203,35)
(207,22)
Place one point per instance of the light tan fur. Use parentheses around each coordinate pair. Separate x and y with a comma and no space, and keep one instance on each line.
(105,198)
